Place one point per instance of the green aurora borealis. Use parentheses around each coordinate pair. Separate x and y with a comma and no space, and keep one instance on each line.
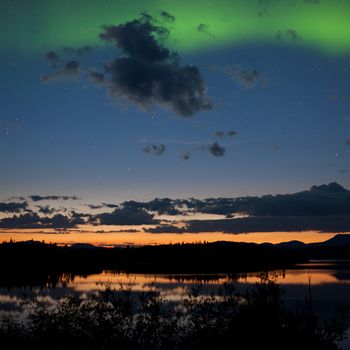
(322,24)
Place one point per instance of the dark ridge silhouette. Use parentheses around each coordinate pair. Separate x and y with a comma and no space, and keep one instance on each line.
(35,263)
(292,244)
(337,240)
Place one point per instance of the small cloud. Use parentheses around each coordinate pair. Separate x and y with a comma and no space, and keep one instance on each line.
(156,150)
(127,216)
(96,77)
(289,34)
(229,133)
(15,198)
(109,205)
(216,150)
(103,205)
(348,142)
(45,209)
(80,51)
(220,134)
(37,198)
(246,77)
(95,206)
(263,12)
(342,171)
(232,133)
(204,28)
(53,58)
(185,156)
(166,229)
(71,70)
(167,16)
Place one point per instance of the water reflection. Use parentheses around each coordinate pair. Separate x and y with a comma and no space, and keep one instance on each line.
(330,285)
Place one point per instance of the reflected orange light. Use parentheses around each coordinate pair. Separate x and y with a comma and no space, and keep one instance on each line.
(317,277)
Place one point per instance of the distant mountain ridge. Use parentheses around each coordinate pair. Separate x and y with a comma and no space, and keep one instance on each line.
(332,187)
(336,241)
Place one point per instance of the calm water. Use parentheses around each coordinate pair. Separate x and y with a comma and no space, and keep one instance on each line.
(330,286)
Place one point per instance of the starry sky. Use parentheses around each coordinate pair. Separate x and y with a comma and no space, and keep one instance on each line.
(128,99)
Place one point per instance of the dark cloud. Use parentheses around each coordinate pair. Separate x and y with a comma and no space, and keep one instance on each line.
(220,134)
(96,77)
(94,206)
(263,12)
(127,216)
(75,198)
(327,223)
(342,171)
(13,207)
(166,229)
(232,133)
(247,78)
(36,198)
(331,199)
(167,16)
(33,220)
(29,220)
(15,198)
(103,205)
(80,51)
(62,221)
(53,58)
(216,150)
(147,73)
(45,209)
(185,156)
(156,150)
(229,133)
(289,34)
(204,28)
(162,206)
(109,205)
(348,142)
(137,39)
(71,70)
(292,34)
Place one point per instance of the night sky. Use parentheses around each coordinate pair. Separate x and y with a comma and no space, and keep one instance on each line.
(123,100)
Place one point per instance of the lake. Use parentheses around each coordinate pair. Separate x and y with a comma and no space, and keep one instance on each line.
(328,283)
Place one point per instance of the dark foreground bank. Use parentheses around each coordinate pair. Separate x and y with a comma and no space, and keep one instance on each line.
(113,319)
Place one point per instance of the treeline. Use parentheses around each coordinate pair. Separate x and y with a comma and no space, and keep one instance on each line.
(35,263)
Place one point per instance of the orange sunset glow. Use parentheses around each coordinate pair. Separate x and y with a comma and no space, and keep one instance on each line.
(144,238)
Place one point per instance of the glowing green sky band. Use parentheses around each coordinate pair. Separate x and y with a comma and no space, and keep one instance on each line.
(32,25)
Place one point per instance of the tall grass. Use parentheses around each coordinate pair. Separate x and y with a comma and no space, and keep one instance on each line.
(119,319)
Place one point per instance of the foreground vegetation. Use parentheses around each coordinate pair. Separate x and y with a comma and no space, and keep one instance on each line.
(121,319)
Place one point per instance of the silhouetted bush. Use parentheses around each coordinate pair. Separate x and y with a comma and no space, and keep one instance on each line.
(121,319)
